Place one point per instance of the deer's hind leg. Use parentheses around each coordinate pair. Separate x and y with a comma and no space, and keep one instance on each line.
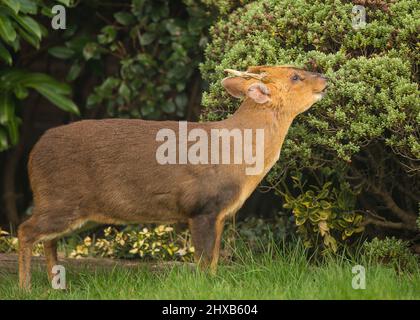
(26,241)
(47,226)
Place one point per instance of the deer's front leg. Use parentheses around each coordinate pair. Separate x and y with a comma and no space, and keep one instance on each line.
(206,232)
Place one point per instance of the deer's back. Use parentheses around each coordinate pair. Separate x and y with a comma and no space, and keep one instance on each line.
(109,166)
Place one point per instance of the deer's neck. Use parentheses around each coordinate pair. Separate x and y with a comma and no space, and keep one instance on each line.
(274,121)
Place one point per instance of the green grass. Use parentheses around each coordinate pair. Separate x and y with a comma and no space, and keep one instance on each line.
(282,274)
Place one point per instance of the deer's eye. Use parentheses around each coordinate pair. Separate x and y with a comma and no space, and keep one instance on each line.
(296,77)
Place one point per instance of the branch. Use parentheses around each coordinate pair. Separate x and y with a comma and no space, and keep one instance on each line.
(386,224)
(379,221)
(405,216)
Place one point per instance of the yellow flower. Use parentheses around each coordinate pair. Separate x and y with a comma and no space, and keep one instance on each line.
(160,228)
(73,254)
(82,250)
(134,250)
(182,252)
(87,241)
(108,231)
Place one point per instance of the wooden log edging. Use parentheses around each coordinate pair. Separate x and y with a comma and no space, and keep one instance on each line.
(9,263)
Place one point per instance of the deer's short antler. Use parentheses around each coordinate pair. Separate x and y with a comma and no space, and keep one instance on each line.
(245,74)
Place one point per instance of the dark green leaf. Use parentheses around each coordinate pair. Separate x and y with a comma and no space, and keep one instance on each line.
(7,108)
(74,71)
(12,4)
(124,18)
(13,130)
(35,80)
(146,109)
(30,25)
(28,6)
(3,140)
(28,38)
(7,32)
(110,83)
(46,11)
(20,92)
(107,35)
(93,99)
(67,3)
(61,52)
(59,100)
(90,51)
(51,89)
(169,107)
(124,91)
(5,55)
(147,38)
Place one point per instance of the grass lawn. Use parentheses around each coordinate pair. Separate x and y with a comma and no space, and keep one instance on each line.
(285,274)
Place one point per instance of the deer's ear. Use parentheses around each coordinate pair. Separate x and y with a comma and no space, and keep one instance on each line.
(234,86)
(259,92)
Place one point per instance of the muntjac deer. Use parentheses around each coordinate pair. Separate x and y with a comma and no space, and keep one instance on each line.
(107,171)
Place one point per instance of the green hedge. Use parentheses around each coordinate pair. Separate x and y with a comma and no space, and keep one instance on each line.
(366,130)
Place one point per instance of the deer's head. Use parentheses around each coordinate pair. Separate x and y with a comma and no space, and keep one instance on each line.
(291,89)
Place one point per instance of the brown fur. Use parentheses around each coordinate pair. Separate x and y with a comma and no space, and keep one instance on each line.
(105,171)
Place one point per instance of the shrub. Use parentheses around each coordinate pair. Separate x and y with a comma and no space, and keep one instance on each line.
(418,222)
(257,233)
(418,219)
(324,216)
(392,252)
(154,243)
(154,47)
(9,244)
(159,243)
(367,127)
(17,26)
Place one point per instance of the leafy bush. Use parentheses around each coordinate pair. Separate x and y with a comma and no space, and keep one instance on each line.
(418,219)
(156,46)
(257,233)
(392,252)
(324,217)
(367,127)
(17,26)
(9,244)
(159,243)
